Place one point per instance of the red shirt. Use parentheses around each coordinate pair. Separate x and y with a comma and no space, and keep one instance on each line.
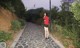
(46,20)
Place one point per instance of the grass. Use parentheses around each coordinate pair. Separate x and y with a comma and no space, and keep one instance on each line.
(4,36)
(67,37)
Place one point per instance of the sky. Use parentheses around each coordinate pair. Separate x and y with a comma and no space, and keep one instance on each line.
(33,4)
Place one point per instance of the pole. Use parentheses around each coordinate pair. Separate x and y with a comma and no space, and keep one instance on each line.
(50,13)
(50,4)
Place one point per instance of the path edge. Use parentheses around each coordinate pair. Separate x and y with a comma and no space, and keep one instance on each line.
(57,42)
(17,38)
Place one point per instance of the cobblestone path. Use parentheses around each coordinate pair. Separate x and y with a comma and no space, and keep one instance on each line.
(33,37)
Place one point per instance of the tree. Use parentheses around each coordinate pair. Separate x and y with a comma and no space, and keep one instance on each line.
(54,13)
(75,8)
(5,3)
(15,6)
(34,14)
(19,8)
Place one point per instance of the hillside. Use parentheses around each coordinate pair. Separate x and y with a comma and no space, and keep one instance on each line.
(5,19)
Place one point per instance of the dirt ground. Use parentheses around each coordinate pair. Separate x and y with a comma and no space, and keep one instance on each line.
(5,22)
(5,19)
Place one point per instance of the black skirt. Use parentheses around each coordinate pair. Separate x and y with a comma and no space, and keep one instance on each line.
(45,25)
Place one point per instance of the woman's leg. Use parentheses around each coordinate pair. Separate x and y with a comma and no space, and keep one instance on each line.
(45,29)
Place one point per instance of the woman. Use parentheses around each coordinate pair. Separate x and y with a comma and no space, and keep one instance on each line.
(46,24)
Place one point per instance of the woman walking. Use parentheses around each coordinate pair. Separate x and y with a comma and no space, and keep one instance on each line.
(46,24)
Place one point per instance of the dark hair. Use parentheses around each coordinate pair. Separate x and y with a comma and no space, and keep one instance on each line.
(46,13)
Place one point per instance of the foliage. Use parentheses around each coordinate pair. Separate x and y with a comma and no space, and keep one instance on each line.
(65,6)
(7,4)
(34,14)
(69,35)
(4,3)
(19,8)
(16,6)
(68,25)
(15,25)
(75,8)
(77,43)
(65,18)
(22,22)
(4,36)
(54,13)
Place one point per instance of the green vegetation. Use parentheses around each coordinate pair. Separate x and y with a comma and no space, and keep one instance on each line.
(67,36)
(15,25)
(67,24)
(4,36)
(15,6)
(75,8)
(22,22)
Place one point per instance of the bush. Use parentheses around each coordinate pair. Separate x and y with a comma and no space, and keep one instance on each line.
(4,36)
(22,22)
(16,25)
(69,34)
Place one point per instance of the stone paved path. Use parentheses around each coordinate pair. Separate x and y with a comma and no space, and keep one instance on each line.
(33,37)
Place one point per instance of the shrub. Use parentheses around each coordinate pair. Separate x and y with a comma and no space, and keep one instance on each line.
(22,22)
(69,34)
(5,36)
(16,25)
